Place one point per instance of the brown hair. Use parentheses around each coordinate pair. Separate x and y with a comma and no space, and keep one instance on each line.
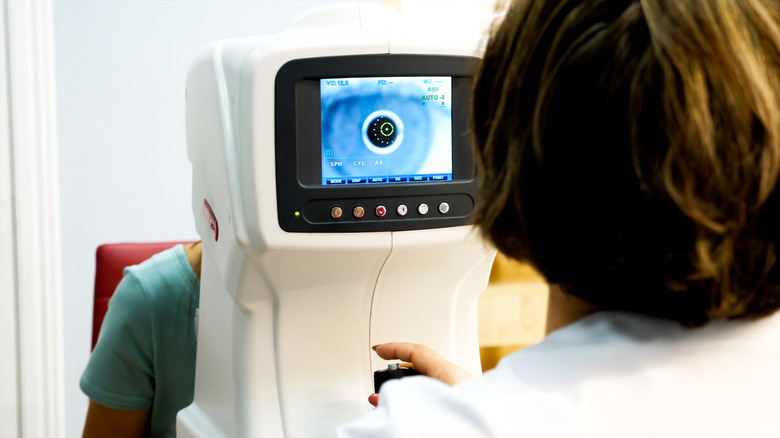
(630,150)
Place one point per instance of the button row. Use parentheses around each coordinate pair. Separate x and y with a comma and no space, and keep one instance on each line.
(381,210)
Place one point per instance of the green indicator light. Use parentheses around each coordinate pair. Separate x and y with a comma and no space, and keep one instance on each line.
(297,213)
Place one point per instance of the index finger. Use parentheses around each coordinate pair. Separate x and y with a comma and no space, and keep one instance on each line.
(422,358)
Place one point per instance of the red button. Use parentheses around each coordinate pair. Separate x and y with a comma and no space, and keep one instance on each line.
(381,210)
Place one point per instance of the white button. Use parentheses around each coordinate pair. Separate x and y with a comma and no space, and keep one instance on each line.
(444,208)
(422,208)
(358,211)
(401,210)
(336,212)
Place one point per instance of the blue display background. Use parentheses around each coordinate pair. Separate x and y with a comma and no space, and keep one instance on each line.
(422,107)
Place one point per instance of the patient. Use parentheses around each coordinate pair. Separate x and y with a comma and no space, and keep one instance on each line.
(142,371)
(630,151)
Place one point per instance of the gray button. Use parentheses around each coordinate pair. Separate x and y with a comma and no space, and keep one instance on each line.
(422,208)
(444,208)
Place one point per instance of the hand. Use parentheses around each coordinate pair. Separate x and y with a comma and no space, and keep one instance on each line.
(424,360)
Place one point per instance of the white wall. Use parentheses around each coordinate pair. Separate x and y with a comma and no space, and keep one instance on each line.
(124,174)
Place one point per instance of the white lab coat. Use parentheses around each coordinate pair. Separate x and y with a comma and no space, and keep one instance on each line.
(612,374)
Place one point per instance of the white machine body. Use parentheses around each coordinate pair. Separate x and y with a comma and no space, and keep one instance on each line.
(287,319)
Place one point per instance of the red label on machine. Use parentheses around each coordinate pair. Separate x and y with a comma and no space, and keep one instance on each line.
(211,220)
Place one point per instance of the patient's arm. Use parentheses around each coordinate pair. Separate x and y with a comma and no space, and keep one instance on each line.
(424,360)
(103,421)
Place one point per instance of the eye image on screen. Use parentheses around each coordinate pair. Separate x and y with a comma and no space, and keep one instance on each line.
(386,130)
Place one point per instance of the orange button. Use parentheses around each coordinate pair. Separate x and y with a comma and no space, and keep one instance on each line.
(358,211)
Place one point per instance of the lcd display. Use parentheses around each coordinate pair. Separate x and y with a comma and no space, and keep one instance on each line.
(386,130)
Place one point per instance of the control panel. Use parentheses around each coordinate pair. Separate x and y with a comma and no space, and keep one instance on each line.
(391,209)
(374,143)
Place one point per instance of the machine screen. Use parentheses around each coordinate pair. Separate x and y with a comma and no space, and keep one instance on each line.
(386,130)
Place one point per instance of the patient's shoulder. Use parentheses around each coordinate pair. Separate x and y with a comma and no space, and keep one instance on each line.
(164,276)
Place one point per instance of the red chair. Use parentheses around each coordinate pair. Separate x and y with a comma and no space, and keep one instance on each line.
(112,259)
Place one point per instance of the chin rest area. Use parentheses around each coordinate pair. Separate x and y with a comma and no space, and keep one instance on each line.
(112,259)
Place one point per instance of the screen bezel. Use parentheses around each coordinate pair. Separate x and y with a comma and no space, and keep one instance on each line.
(298,138)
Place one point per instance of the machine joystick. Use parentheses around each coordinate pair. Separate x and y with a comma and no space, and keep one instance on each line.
(393,371)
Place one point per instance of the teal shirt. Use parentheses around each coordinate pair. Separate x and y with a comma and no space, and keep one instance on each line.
(145,355)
